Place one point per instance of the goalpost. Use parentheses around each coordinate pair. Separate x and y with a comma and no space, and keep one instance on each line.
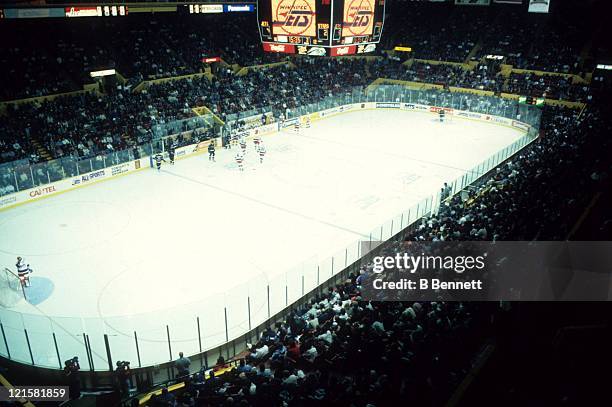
(11,289)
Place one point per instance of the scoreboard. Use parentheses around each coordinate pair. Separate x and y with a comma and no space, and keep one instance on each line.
(320,27)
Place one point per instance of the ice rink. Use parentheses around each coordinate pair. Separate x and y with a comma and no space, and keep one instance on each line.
(158,240)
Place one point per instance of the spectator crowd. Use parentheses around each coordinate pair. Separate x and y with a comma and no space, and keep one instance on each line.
(164,46)
(338,349)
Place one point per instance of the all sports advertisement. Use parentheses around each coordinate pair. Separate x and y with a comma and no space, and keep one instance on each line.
(294,17)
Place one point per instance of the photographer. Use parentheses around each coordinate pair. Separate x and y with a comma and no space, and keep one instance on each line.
(71,372)
(123,373)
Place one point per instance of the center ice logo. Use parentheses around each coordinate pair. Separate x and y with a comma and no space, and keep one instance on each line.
(294,17)
(358,17)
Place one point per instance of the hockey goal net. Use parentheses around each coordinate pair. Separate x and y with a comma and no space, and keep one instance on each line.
(11,290)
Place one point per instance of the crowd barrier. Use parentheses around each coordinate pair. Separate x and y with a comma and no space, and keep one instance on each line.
(20,176)
(87,88)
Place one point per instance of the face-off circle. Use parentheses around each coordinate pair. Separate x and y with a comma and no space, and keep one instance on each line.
(294,17)
(359,16)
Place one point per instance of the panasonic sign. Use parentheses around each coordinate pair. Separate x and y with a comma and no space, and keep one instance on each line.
(228,8)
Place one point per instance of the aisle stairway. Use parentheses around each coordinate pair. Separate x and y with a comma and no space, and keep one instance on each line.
(473,52)
(41,150)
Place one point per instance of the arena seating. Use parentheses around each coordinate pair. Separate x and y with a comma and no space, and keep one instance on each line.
(146,47)
(54,123)
(162,46)
(553,86)
(139,52)
(434,31)
(337,349)
(88,124)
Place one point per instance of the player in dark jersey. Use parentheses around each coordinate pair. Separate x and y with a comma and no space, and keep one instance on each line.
(211,151)
(171,154)
(158,160)
(442,115)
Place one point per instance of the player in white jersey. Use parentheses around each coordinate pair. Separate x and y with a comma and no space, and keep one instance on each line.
(256,142)
(296,127)
(158,160)
(307,123)
(240,161)
(23,271)
(262,151)
(243,144)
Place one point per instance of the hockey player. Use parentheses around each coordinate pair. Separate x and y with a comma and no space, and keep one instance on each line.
(171,154)
(158,160)
(240,161)
(296,127)
(211,151)
(262,152)
(256,142)
(441,114)
(307,123)
(243,145)
(23,271)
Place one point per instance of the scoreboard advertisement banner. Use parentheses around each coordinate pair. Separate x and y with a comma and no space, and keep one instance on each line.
(339,51)
(358,18)
(232,8)
(83,11)
(294,17)
(315,50)
(281,48)
(96,11)
(316,27)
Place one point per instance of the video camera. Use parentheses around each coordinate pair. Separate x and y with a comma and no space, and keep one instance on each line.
(123,365)
(73,364)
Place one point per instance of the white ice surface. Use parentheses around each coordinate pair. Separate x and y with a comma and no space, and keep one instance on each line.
(154,240)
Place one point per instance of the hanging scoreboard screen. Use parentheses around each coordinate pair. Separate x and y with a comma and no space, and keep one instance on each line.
(320,27)
(294,18)
(358,18)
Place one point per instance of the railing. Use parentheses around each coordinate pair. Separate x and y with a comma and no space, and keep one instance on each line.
(213,323)
(432,97)
(19,176)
